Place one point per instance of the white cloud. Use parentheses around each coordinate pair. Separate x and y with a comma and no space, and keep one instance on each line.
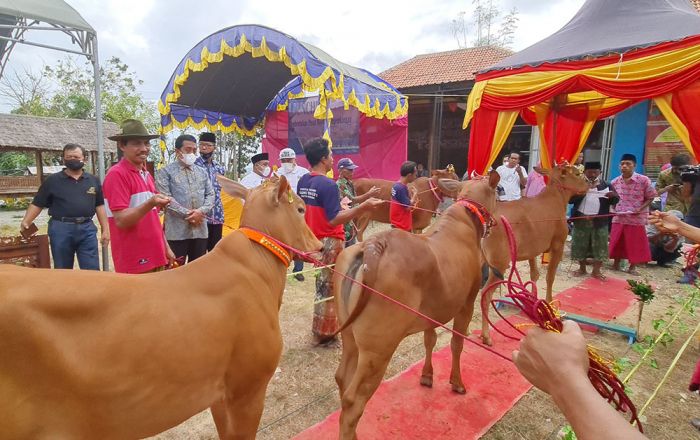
(152,36)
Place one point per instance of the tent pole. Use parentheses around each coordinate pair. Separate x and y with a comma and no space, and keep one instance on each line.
(100,136)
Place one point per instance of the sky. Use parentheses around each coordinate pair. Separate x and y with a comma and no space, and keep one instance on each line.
(152,36)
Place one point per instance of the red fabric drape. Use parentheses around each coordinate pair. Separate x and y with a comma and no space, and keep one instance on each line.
(686,105)
(634,90)
(564,66)
(481,139)
(567,128)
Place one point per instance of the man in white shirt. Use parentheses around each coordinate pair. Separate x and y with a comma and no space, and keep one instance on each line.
(292,172)
(290,169)
(261,171)
(513,178)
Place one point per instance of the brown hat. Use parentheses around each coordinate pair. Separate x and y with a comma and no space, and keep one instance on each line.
(132,129)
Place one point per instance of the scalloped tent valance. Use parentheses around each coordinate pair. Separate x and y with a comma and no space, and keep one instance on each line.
(228,80)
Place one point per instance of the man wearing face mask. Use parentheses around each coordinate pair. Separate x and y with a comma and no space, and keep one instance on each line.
(292,172)
(73,198)
(261,171)
(192,194)
(290,169)
(215,221)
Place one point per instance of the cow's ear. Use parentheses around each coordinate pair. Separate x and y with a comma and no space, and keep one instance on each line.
(232,188)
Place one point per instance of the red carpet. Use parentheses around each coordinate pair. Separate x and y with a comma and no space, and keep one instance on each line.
(401,408)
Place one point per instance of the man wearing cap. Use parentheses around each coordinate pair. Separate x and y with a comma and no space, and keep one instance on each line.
(192,197)
(261,171)
(73,197)
(628,238)
(325,219)
(346,168)
(290,169)
(215,220)
(292,172)
(590,235)
(131,202)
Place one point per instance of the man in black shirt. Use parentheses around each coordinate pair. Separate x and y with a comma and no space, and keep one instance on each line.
(73,198)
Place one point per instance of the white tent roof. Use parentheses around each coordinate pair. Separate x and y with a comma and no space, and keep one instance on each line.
(48,11)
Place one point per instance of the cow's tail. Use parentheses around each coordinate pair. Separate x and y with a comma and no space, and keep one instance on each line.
(361,272)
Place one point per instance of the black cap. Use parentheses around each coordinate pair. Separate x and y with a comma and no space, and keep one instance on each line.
(628,156)
(258,157)
(592,166)
(207,137)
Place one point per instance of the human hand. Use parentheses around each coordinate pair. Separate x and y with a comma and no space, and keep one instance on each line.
(610,194)
(374,191)
(104,237)
(195,217)
(170,255)
(553,361)
(665,222)
(159,201)
(371,203)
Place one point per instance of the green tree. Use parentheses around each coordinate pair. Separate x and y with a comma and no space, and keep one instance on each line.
(66,90)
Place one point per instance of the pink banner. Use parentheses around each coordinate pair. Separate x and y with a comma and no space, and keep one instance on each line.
(383,145)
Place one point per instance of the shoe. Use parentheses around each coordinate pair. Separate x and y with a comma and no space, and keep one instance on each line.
(299,277)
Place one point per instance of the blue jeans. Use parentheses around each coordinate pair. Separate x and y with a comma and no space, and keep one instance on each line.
(298,266)
(70,239)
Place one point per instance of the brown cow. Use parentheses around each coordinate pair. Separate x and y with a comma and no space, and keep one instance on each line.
(539,225)
(437,273)
(429,197)
(90,355)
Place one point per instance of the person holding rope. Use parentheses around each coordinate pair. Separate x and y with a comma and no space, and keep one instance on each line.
(669,223)
(325,219)
(628,237)
(557,363)
(590,212)
(346,168)
(402,202)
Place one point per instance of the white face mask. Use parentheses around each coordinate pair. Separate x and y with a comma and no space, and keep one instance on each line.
(188,159)
(266,171)
(288,167)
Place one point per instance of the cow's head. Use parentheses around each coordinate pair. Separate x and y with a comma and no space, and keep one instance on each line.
(566,177)
(273,208)
(446,173)
(481,189)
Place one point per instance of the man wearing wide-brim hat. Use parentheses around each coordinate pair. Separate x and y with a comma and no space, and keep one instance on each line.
(132,204)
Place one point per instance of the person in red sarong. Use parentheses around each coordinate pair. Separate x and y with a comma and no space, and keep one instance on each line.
(628,236)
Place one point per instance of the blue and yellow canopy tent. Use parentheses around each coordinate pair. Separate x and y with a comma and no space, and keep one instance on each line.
(230,79)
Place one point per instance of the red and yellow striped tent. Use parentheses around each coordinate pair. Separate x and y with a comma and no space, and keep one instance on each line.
(610,56)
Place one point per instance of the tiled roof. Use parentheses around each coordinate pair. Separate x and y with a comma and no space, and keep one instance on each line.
(443,67)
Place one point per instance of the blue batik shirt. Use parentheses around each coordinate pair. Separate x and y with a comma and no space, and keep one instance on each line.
(216,216)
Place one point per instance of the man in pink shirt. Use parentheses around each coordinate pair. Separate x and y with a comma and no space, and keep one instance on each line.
(131,202)
(628,236)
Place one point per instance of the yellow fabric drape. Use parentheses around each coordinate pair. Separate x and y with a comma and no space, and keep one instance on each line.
(504,124)
(644,68)
(664,104)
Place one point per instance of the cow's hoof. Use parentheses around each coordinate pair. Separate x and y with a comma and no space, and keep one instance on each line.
(459,389)
(487,340)
(426,381)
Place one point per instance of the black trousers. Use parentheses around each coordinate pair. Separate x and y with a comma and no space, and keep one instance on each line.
(188,249)
(214,235)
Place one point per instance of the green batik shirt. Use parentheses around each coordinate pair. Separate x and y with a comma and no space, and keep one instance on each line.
(346,189)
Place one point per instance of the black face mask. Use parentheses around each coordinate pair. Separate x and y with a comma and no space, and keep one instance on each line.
(206,155)
(74,165)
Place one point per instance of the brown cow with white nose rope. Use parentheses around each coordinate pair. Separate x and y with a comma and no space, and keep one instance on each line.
(90,355)
(437,273)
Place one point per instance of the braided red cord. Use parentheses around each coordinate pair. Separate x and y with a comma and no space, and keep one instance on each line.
(547,317)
